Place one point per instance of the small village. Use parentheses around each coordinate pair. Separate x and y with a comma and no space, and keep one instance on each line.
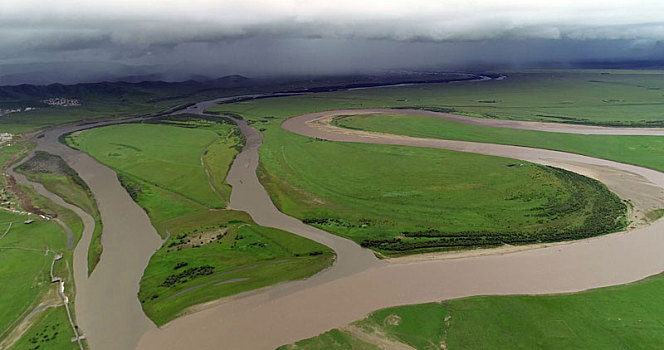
(8,202)
(62,102)
(4,112)
(53,102)
(5,139)
(7,199)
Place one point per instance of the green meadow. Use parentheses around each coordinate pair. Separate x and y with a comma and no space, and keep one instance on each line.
(400,200)
(26,253)
(630,98)
(211,255)
(167,157)
(621,317)
(175,168)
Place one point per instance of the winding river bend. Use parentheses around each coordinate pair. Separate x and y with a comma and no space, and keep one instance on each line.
(292,311)
(109,313)
(107,308)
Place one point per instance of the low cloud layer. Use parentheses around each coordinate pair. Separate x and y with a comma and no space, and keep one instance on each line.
(229,32)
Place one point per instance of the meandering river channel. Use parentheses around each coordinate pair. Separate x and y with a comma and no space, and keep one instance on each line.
(109,313)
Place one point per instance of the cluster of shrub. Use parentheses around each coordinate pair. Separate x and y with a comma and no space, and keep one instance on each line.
(327,221)
(180,239)
(189,120)
(43,336)
(603,219)
(604,213)
(240,237)
(180,265)
(429,108)
(188,275)
(462,240)
(615,123)
(132,187)
(436,239)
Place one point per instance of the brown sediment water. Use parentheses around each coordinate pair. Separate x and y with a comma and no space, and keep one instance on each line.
(288,312)
(108,311)
(249,195)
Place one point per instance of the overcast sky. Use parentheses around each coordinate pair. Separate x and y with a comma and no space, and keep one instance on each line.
(308,36)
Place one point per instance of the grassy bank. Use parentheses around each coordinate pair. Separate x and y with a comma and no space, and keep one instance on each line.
(60,179)
(621,317)
(211,252)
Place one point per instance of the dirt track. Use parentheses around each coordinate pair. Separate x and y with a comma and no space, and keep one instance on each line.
(292,311)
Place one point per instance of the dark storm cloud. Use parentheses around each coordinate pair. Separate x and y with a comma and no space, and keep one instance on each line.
(289,36)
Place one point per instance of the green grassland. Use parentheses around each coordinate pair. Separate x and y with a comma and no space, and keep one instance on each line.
(402,199)
(165,156)
(639,150)
(100,100)
(25,266)
(573,96)
(60,179)
(631,98)
(122,100)
(216,254)
(622,317)
(584,97)
(211,252)
(50,331)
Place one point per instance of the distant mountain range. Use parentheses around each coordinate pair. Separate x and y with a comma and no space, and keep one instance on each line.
(141,87)
(29,93)
(69,73)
